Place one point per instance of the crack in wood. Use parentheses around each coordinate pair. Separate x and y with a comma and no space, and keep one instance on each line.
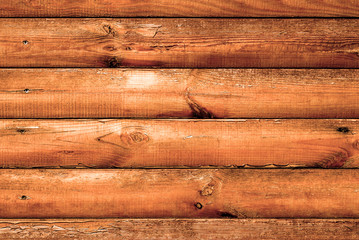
(198,111)
(100,139)
(157,30)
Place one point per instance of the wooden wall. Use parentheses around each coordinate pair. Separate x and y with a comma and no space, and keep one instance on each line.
(169,119)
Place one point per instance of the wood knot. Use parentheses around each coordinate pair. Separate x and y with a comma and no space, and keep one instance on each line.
(137,137)
(109,30)
(131,138)
(113,62)
(336,160)
(110,48)
(207,191)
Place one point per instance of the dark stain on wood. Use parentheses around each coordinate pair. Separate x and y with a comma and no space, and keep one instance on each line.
(343,129)
(336,160)
(21,131)
(113,62)
(197,110)
(227,215)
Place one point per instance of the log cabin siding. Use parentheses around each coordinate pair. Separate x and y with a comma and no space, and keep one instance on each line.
(171,119)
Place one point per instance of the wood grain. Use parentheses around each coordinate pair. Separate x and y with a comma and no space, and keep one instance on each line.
(179,42)
(179,193)
(239,229)
(178,143)
(179,93)
(179,8)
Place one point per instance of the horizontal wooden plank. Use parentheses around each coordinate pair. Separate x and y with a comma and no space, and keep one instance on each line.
(179,8)
(179,193)
(181,42)
(180,93)
(246,229)
(177,143)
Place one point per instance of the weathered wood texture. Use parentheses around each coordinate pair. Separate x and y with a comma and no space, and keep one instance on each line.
(182,93)
(179,8)
(268,43)
(171,143)
(180,193)
(231,229)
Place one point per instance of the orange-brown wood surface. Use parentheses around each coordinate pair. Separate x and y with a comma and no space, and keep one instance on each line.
(179,42)
(239,229)
(184,193)
(179,93)
(177,143)
(222,119)
(179,8)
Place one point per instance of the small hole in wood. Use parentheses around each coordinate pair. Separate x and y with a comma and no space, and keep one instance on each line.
(198,205)
(26,90)
(25,42)
(21,131)
(24,197)
(343,129)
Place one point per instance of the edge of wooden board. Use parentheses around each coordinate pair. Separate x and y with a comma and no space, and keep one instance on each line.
(179,42)
(180,193)
(161,143)
(179,8)
(239,229)
(179,93)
